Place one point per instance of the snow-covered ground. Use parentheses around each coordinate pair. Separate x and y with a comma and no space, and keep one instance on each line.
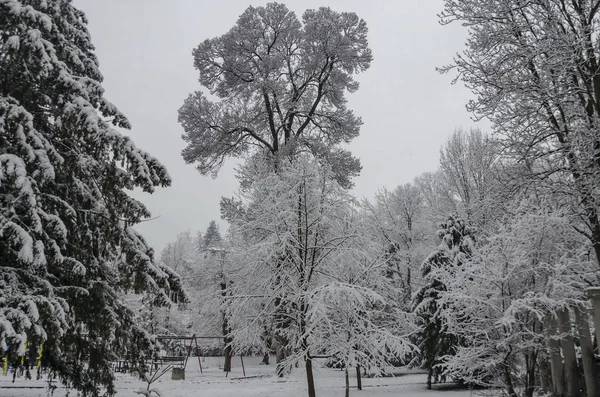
(259,382)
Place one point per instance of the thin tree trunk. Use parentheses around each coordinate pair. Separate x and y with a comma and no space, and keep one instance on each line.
(268,344)
(358,378)
(279,356)
(310,380)
(227,363)
(225,330)
(279,351)
(508,381)
(568,350)
(429,379)
(530,383)
(587,351)
(347,394)
(556,364)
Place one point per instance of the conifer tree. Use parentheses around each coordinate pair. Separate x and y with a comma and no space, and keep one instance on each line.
(67,246)
(457,243)
(212,237)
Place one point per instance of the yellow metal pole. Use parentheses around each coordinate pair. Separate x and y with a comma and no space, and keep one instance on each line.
(39,363)
(23,357)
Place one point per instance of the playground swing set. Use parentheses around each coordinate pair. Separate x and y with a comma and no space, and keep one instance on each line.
(180,361)
(21,366)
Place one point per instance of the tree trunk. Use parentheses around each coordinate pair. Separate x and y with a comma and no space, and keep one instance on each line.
(531,368)
(587,351)
(358,378)
(265,360)
(556,364)
(279,356)
(268,345)
(545,373)
(227,363)
(227,350)
(510,389)
(347,393)
(568,350)
(429,379)
(310,380)
(225,329)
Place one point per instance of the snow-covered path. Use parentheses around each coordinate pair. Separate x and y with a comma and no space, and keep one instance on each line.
(259,383)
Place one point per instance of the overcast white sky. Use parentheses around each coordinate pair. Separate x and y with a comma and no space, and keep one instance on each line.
(408,109)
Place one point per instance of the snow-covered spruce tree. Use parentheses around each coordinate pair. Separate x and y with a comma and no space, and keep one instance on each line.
(498,300)
(433,340)
(292,269)
(67,247)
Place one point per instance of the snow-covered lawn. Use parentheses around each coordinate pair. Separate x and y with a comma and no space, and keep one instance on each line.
(259,382)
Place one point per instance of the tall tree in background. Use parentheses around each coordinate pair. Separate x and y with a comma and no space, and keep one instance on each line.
(467,162)
(399,216)
(67,246)
(437,200)
(535,70)
(180,255)
(281,87)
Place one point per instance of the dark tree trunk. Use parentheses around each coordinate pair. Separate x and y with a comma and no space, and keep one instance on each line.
(510,390)
(268,341)
(227,364)
(347,393)
(429,379)
(265,360)
(310,380)
(531,368)
(358,378)
(226,338)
